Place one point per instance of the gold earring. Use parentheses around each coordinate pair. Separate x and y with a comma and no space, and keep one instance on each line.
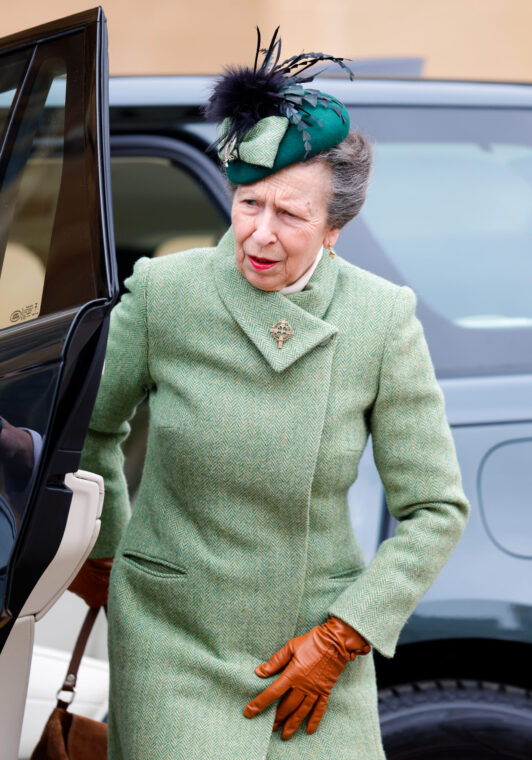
(332,254)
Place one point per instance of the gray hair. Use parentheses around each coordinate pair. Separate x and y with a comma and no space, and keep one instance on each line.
(350,162)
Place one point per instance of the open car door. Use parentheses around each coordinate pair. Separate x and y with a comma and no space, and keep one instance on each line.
(57,286)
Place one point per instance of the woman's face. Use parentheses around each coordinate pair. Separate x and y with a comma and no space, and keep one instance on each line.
(280,223)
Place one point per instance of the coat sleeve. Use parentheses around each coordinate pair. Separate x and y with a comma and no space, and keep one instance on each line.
(416,459)
(125,382)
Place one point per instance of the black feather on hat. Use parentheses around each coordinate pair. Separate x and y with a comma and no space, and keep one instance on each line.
(245,95)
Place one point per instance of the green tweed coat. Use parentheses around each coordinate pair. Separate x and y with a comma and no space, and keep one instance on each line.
(241,538)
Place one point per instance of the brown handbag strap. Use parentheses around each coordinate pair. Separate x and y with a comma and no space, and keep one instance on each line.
(69,684)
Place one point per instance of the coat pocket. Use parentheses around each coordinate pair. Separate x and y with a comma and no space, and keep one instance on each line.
(349,574)
(160,568)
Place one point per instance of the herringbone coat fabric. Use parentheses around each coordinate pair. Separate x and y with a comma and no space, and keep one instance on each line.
(241,538)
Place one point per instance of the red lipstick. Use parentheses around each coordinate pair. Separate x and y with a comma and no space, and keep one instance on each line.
(261,264)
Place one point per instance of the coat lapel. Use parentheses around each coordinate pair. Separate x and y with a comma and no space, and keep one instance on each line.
(257,311)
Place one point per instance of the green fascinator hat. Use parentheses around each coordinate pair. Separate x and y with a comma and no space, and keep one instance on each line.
(269,118)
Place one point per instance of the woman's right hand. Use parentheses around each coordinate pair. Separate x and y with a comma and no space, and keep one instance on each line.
(312,664)
(92,581)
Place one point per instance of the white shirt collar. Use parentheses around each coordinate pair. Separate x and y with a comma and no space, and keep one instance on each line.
(300,283)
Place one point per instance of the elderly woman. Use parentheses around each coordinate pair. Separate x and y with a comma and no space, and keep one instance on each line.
(240,605)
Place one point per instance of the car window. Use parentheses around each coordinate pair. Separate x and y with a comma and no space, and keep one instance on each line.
(45,228)
(11,74)
(32,194)
(159,209)
(449,213)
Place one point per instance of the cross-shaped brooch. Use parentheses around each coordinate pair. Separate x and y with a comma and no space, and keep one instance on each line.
(281,332)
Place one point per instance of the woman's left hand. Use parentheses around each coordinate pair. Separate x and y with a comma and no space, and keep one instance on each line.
(92,581)
(313,663)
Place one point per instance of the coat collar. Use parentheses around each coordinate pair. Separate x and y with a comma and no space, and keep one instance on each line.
(256,311)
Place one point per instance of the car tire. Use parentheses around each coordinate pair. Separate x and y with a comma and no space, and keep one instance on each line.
(462,720)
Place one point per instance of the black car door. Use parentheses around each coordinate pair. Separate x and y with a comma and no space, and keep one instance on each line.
(57,282)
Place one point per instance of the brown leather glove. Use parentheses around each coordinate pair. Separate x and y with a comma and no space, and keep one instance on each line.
(92,581)
(314,661)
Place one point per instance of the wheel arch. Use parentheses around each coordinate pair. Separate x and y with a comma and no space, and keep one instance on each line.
(477,659)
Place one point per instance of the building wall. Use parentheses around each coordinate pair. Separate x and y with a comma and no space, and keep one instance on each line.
(470,39)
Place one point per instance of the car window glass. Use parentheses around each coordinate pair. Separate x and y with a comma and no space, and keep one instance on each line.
(50,249)
(159,209)
(11,74)
(34,191)
(449,213)
(465,221)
